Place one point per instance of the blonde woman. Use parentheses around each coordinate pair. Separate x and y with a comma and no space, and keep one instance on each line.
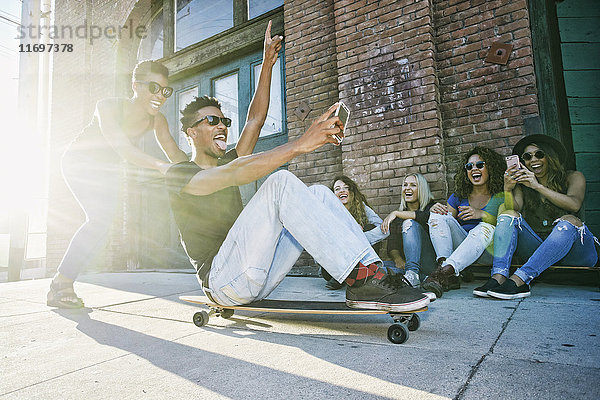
(409,232)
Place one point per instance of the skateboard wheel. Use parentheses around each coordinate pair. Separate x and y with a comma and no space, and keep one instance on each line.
(226,313)
(200,318)
(414,322)
(398,333)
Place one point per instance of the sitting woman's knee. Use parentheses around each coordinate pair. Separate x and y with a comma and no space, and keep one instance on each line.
(511,213)
(571,219)
(436,219)
(407,224)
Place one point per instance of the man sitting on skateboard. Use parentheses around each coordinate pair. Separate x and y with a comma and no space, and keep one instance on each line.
(242,253)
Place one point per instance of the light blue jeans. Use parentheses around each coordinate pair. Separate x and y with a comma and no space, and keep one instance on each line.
(97,188)
(283,218)
(418,250)
(459,247)
(566,245)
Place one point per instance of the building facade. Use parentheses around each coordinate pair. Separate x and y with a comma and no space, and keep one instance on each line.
(416,74)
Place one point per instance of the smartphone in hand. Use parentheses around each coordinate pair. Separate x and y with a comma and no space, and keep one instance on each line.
(512,160)
(344,114)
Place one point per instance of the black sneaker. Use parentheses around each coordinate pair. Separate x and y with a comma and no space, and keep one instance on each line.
(400,280)
(481,291)
(509,291)
(385,294)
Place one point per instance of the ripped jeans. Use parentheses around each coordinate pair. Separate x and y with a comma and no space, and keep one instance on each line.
(566,245)
(459,247)
(418,251)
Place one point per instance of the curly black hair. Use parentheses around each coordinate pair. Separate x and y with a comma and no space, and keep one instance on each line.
(189,112)
(495,165)
(145,67)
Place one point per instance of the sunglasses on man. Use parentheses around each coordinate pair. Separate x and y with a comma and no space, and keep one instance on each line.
(539,154)
(213,120)
(478,164)
(154,88)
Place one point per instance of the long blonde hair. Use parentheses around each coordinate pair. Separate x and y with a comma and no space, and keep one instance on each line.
(423,192)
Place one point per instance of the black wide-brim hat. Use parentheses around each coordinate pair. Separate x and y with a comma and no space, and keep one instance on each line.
(541,140)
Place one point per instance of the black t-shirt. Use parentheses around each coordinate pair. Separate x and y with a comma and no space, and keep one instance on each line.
(203,221)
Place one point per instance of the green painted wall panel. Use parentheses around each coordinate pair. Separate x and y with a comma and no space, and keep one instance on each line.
(589,165)
(582,83)
(592,186)
(592,201)
(591,219)
(578,8)
(586,138)
(584,111)
(578,56)
(579,29)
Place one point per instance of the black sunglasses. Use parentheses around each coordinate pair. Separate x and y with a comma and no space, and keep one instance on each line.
(213,120)
(154,88)
(478,164)
(539,154)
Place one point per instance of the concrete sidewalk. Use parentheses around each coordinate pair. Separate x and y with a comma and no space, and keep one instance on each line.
(136,341)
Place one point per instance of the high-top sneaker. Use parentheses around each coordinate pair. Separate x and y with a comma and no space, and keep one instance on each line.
(440,280)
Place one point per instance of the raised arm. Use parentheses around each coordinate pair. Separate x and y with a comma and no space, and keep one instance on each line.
(259,106)
(249,168)
(166,141)
(106,113)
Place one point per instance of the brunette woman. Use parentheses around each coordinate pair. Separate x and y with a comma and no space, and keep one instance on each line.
(540,223)
(462,230)
(356,203)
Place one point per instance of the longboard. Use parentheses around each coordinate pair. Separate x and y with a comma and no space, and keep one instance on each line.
(397,333)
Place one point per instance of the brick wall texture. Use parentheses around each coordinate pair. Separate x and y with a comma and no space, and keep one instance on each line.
(413,73)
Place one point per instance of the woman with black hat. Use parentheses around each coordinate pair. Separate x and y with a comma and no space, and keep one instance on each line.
(540,222)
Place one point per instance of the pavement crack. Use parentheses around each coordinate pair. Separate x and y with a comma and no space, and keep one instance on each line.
(137,315)
(475,368)
(64,374)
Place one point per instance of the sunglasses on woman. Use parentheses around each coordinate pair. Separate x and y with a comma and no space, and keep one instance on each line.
(479,164)
(213,120)
(154,88)
(539,154)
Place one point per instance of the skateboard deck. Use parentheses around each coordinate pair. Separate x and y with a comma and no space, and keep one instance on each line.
(404,321)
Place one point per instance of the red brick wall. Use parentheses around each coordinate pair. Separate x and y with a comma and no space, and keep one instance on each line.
(483,103)
(311,77)
(387,74)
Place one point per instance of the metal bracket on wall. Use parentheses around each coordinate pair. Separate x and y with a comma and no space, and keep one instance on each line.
(499,53)
(302,110)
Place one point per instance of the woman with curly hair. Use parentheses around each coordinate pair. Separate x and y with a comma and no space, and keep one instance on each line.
(540,222)
(462,230)
(356,203)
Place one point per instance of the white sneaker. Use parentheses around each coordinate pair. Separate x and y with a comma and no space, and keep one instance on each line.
(413,278)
